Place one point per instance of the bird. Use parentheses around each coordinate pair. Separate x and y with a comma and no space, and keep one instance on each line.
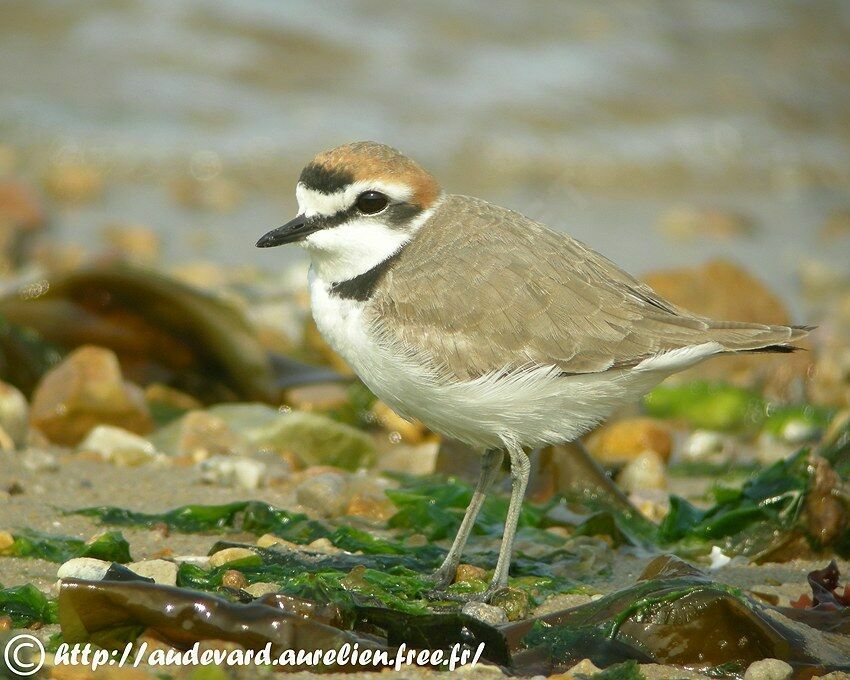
(483,324)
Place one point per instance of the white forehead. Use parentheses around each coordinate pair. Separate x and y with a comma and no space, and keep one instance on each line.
(312,202)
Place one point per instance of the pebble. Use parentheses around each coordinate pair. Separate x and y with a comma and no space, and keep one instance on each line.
(14,413)
(469,572)
(768,669)
(230,555)
(200,561)
(371,506)
(320,398)
(325,494)
(323,545)
(718,558)
(704,445)
(22,217)
(625,440)
(647,471)
(85,390)
(261,588)
(6,540)
(234,579)
(118,446)
(268,540)
(163,572)
(318,440)
(237,471)
(485,612)
(411,431)
(203,435)
(85,568)
(514,602)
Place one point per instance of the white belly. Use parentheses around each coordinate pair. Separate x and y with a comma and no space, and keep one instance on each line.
(533,407)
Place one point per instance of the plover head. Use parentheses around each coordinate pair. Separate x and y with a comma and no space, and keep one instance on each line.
(358,205)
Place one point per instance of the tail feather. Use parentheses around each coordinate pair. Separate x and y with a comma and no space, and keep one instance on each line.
(750,337)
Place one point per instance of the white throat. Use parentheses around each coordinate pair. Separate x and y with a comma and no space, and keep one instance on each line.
(354,247)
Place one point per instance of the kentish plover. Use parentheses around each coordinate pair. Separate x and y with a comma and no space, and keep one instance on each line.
(483,324)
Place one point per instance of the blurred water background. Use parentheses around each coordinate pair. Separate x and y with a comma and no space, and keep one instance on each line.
(660,133)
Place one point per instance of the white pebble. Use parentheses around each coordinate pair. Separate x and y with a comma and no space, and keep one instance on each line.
(161,571)
(647,471)
(768,669)
(14,413)
(238,471)
(119,446)
(703,445)
(718,558)
(485,612)
(85,568)
(325,493)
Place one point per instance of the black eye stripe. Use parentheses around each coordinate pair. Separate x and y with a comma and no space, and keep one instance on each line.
(395,215)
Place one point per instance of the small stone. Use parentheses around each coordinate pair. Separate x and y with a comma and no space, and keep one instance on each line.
(513,602)
(238,471)
(118,446)
(84,568)
(22,217)
(6,540)
(14,413)
(469,572)
(704,445)
(163,572)
(85,390)
(268,540)
(318,398)
(261,588)
(412,432)
(325,494)
(718,558)
(5,624)
(203,435)
(323,545)
(234,579)
(647,471)
(768,669)
(231,555)
(625,440)
(200,561)
(7,444)
(371,506)
(74,182)
(584,667)
(157,394)
(487,613)
(318,440)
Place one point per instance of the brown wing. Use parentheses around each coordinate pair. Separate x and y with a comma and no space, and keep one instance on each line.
(482,288)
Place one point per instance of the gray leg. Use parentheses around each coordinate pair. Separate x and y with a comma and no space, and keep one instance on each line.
(490,464)
(520,469)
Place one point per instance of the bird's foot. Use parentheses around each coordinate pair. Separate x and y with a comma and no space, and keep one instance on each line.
(443,577)
(441,595)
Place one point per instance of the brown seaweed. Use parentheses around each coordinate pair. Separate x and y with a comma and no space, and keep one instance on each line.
(161,329)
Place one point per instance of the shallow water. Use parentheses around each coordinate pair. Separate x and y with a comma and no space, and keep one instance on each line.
(595,119)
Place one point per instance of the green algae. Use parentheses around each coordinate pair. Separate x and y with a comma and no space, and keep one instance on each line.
(110,546)
(26,605)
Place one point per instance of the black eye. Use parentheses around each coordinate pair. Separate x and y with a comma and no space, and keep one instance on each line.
(371,202)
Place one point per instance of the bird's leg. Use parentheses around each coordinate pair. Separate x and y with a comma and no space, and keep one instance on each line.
(520,470)
(490,464)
